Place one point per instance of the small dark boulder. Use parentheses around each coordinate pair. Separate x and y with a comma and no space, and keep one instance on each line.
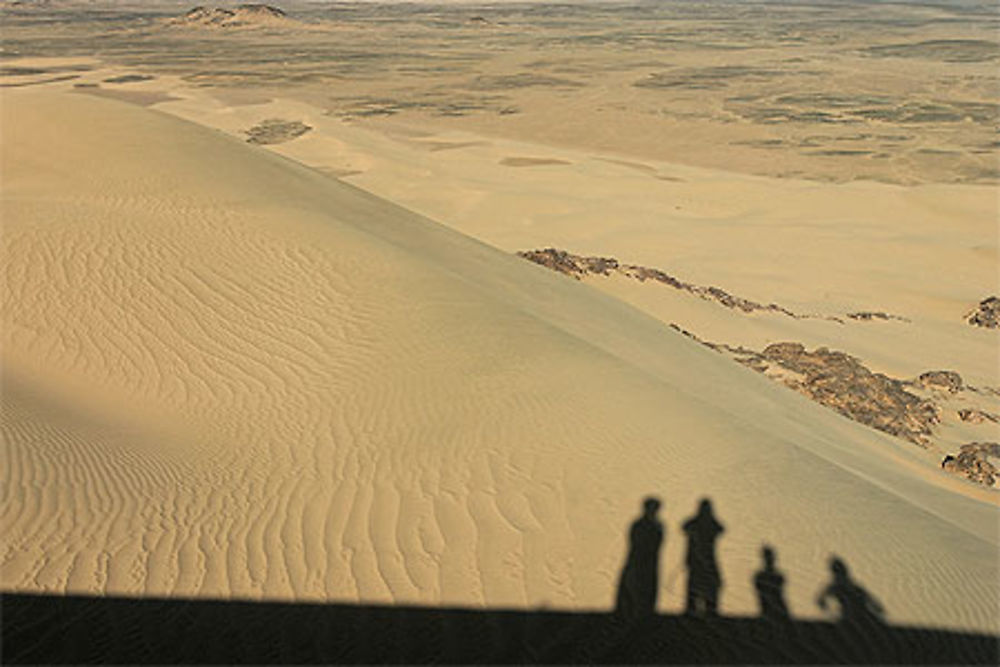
(949,381)
(973,462)
(986,314)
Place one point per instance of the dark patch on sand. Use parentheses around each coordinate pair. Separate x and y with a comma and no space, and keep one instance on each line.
(276,131)
(142,98)
(947,50)
(531,162)
(129,78)
(39,82)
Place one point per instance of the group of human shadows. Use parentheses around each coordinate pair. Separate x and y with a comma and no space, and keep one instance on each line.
(639,582)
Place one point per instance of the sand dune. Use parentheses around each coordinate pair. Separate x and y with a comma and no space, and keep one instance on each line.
(228,375)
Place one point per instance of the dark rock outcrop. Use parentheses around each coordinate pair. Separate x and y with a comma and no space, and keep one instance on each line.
(578,267)
(948,381)
(986,314)
(834,379)
(839,381)
(972,462)
(868,316)
(276,131)
(977,416)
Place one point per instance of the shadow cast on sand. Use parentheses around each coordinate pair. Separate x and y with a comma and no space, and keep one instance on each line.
(54,629)
(76,629)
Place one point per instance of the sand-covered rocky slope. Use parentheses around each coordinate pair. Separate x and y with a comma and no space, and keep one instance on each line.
(226,375)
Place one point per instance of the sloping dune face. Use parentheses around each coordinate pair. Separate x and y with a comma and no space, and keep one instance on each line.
(227,376)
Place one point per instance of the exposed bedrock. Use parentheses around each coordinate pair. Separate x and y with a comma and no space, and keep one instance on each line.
(986,314)
(972,462)
(840,381)
(276,131)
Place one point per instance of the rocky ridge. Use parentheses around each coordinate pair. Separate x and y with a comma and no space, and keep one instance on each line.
(907,409)
(841,382)
(579,267)
(241,16)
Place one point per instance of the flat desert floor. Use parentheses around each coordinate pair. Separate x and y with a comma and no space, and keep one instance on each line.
(416,303)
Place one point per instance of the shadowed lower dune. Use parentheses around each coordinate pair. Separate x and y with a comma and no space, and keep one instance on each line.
(56,629)
(79,629)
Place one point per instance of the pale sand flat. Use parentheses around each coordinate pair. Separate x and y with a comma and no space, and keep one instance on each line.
(229,375)
(926,253)
(519,161)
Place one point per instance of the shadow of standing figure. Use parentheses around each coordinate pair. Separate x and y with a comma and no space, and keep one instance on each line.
(640,577)
(770,585)
(858,607)
(704,579)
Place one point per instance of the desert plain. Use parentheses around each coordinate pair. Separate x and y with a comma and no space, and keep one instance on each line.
(415,303)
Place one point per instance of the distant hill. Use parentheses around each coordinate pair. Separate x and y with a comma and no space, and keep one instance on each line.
(249,15)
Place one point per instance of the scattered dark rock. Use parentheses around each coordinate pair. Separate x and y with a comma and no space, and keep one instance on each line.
(973,462)
(986,315)
(492,82)
(866,316)
(129,78)
(241,15)
(977,416)
(839,381)
(578,267)
(276,131)
(949,381)
(834,379)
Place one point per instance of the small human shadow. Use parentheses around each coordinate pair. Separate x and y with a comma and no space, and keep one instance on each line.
(770,585)
(856,606)
(639,580)
(704,578)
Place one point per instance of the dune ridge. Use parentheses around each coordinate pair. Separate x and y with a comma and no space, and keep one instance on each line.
(228,375)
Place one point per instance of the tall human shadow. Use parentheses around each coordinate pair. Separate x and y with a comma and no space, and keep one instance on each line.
(704,577)
(770,585)
(639,581)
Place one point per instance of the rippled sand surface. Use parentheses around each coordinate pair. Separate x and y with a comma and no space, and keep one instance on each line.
(313,367)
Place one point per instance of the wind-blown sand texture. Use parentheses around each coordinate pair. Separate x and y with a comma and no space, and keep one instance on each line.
(266,334)
(227,375)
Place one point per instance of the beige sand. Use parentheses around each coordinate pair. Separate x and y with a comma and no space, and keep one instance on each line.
(923,254)
(228,375)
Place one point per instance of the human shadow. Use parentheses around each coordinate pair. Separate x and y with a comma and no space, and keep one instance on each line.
(704,577)
(856,606)
(639,581)
(770,585)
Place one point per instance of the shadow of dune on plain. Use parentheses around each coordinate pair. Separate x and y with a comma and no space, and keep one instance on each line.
(77,629)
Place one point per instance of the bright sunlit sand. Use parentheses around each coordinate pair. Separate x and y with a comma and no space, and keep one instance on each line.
(416,305)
